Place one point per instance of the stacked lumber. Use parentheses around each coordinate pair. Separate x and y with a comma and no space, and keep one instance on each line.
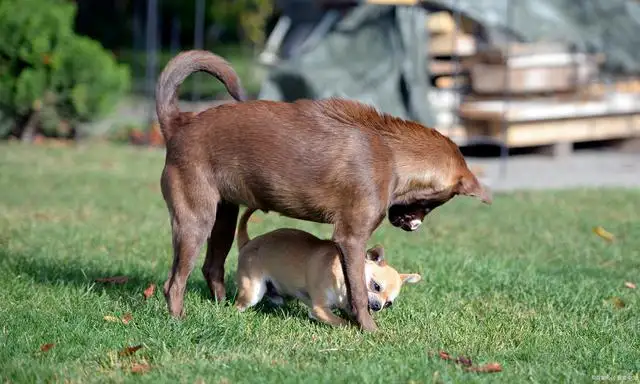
(545,94)
(448,44)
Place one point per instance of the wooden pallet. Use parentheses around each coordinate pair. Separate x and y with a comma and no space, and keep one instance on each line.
(551,123)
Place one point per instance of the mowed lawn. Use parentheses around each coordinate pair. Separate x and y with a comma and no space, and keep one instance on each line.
(524,283)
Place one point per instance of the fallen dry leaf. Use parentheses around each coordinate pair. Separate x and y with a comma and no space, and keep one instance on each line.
(487,368)
(128,351)
(608,236)
(127,318)
(463,360)
(140,368)
(444,355)
(113,280)
(617,302)
(46,347)
(111,319)
(629,285)
(149,291)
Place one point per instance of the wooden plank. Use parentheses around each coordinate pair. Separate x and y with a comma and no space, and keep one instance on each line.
(452,45)
(538,133)
(578,130)
(457,133)
(450,82)
(392,2)
(445,67)
(440,23)
(501,53)
(552,72)
(521,111)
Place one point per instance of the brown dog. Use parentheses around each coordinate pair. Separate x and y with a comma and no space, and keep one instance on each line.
(329,161)
(289,262)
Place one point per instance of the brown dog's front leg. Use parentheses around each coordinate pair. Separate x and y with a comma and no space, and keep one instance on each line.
(352,257)
(218,247)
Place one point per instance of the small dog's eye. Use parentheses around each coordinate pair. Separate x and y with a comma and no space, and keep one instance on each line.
(388,304)
(376,287)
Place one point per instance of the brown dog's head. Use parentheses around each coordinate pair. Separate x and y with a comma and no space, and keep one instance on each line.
(422,192)
(383,281)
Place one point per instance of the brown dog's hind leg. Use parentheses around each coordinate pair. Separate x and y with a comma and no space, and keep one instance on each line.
(193,212)
(218,246)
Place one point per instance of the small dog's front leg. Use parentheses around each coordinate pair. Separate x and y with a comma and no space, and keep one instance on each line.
(325,315)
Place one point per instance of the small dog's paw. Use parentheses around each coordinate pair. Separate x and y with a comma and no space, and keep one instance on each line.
(241,308)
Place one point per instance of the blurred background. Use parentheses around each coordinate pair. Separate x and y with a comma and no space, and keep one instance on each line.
(542,93)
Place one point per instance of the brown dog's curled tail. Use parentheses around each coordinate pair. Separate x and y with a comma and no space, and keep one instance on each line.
(178,69)
(243,235)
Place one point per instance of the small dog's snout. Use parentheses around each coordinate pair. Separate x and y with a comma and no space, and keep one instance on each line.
(375,306)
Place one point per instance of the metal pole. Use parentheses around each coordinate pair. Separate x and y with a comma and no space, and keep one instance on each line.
(175,36)
(198,37)
(504,149)
(152,61)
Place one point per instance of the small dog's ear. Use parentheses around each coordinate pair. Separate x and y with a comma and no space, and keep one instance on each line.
(470,186)
(410,278)
(376,254)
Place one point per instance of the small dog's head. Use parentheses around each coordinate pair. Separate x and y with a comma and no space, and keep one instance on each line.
(383,281)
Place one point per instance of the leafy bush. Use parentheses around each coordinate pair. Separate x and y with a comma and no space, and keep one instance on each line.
(50,78)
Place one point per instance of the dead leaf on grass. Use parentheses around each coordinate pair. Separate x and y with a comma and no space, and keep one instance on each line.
(603,233)
(128,351)
(487,368)
(149,291)
(629,285)
(127,318)
(140,368)
(463,360)
(468,364)
(46,347)
(617,302)
(113,280)
(111,319)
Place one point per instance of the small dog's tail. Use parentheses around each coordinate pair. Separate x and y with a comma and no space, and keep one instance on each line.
(243,235)
(178,69)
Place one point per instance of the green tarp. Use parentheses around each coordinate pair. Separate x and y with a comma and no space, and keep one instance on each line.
(378,54)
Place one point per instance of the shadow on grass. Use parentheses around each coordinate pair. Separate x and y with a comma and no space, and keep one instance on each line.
(52,272)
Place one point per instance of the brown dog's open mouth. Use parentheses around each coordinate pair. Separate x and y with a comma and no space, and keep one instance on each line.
(408,217)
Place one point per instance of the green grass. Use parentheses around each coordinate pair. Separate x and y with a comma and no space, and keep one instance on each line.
(524,283)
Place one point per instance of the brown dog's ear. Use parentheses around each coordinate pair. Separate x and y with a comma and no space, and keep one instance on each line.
(410,278)
(376,254)
(470,186)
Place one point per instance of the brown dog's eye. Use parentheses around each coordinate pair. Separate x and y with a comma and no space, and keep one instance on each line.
(376,287)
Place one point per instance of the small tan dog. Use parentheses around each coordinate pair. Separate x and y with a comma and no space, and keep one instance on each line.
(292,263)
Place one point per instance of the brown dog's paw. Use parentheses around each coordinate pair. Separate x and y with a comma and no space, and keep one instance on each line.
(366,323)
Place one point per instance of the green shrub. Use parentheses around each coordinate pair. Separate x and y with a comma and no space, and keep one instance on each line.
(50,76)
